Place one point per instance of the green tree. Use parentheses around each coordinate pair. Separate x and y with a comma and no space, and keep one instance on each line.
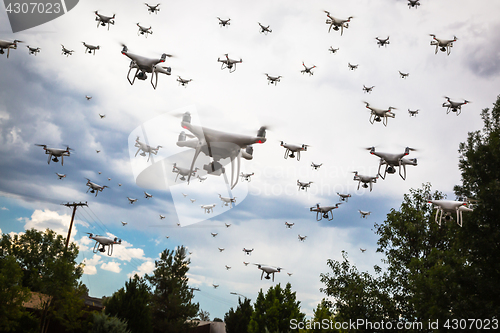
(323,316)
(275,311)
(204,315)
(132,304)
(237,320)
(171,297)
(104,323)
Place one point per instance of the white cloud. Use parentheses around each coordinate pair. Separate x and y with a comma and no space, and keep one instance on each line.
(47,219)
(146,268)
(4,208)
(112,266)
(90,265)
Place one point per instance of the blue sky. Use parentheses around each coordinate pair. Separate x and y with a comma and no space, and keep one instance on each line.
(42,101)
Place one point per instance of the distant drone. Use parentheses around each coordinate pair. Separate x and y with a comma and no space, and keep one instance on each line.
(183,82)
(352,67)
(131,200)
(447,207)
(289,274)
(208,209)
(379,115)
(88,97)
(124,223)
(316,166)
(302,238)
(103,242)
(404,75)
(368,89)
(336,23)
(324,212)
(54,153)
(102,116)
(289,225)
(226,201)
(60,175)
(413,3)
(227,267)
(227,225)
(224,23)
(144,31)
(303,185)
(246,176)
(215,285)
(8,45)
(363,213)
(307,70)
(365,180)
(147,195)
(33,50)
(201,179)
(145,65)
(264,30)
(213,234)
(66,52)
(292,149)
(444,45)
(362,250)
(229,63)
(247,251)
(94,188)
(145,149)
(272,79)
(268,270)
(103,20)
(454,106)
(331,49)
(162,217)
(183,172)
(245,263)
(382,42)
(192,200)
(153,9)
(413,113)
(90,48)
(221,249)
(392,160)
(344,197)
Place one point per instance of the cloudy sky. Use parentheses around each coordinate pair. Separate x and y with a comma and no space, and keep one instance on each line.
(42,101)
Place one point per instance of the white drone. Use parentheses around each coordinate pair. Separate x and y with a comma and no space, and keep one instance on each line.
(344,197)
(268,270)
(403,75)
(273,79)
(444,45)
(229,63)
(227,267)
(66,51)
(302,238)
(103,20)
(379,115)
(131,200)
(183,82)
(54,153)
(153,9)
(144,31)
(316,166)
(60,175)
(336,23)
(214,234)
(90,48)
(227,201)
(183,172)
(145,149)
(104,241)
(365,180)
(94,188)
(454,106)
(290,150)
(208,208)
(227,225)
(289,225)
(303,185)
(162,217)
(33,50)
(392,160)
(8,45)
(247,251)
(147,195)
(145,65)
(448,207)
(221,249)
(364,214)
(368,89)
(246,176)
(324,212)
(351,66)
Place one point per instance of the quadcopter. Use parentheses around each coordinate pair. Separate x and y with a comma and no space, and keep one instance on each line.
(292,149)
(264,30)
(447,207)
(272,79)
(268,270)
(344,197)
(224,23)
(33,50)
(124,223)
(214,234)
(162,217)
(336,23)
(94,188)
(192,200)
(316,166)
(90,48)
(145,149)
(444,45)
(413,3)
(289,225)
(307,69)
(183,172)
(368,89)
(246,176)
(289,274)
(183,82)
(215,285)
(102,115)
(201,179)
(331,49)
(103,20)
(97,151)
(378,114)
(103,242)
(147,195)
(404,75)
(247,251)
(227,225)
(363,213)
(365,180)
(144,31)
(227,201)
(208,209)
(8,45)
(413,113)
(227,267)
(54,153)
(60,175)
(229,63)
(88,97)
(362,250)
(392,160)
(324,212)
(302,238)
(454,106)
(66,52)
(221,249)
(153,9)
(145,65)
(246,263)
(352,67)
(382,42)
(131,200)
(303,185)
(218,145)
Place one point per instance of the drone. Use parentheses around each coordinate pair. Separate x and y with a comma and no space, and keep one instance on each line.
(302,238)
(444,45)
(224,23)
(227,267)
(378,114)
(94,188)
(352,67)
(362,250)
(208,208)
(363,213)
(404,75)
(192,200)
(66,52)
(289,225)
(447,207)
(60,175)
(272,79)
(147,195)
(119,184)
(102,115)
(413,113)
(316,166)
(289,274)
(218,145)
(124,223)
(331,49)
(97,151)
(144,31)
(392,160)
(454,106)
(145,149)
(303,185)
(145,65)
(162,217)
(268,270)
(382,42)
(221,249)
(292,149)
(214,234)
(307,69)
(264,30)
(8,45)
(227,201)
(153,9)
(324,212)
(183,172)
(227,225)
(337,23)
(183,82)
(229,63)
(215,285)
(344,197)
(246,263)
(131,200)
(33,50)
(413,3)
(88,97)
(54,153)
(246,176)
(103,20)
(247,251)
(368,89)
(365,180)
(201,179)
(90,48)
(103,242)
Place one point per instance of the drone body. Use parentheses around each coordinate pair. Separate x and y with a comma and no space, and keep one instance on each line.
(302,238)
(344,197)
(94,188)
(224,23)
(60,175)
(208,208)
(378,115)
(392,160)
(153,9)
(246,176)
(8,45)
(336,23)
(227,225)
(324,212)
(124,223)
(183,172)
(368,89)
(444,45)
(289,225)
(365,180)
(131,200)
(413,3)
(247,251)
(144,31)
(351,66)
(104,241)
(403,75)
(382,42)
(229,63)
(214,234)
(227,201)
(146,149)
(331,49)
(54,153)
(268,270)
(221,249)
(162,217)
(454,106)
(66,51)
(272,79)
(303,185)
(90,48)
(448,207)
(215,286)
(103,20)
(290,150)
(307,70)
(183,82)
(316,166)
(364,214)
(147,195)
(413,113)
(145,65)
(33,50)
(264,30)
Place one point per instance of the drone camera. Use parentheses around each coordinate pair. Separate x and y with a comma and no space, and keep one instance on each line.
(249,150)
(186,117)
(142,75)
(261,133)
(214,168)
(391,170)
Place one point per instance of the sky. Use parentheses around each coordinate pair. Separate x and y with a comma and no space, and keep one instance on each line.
(42,101)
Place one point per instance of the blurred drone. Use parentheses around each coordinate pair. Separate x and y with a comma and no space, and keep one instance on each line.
(447,207)
(227,225)
(131,200)
(145,149)
(413,3)
(336,23)
(145,65)
(33,50)
(54,153)
(365,180)
(303,185)
(208,209)
(153,9)
(454,106)
(268,270)
(344,197)
(413,113)
(392,160)
(368,89)
(183,172)
(104,241)
(316,166)
(289,225)
(229,63)
(66,52)
(352,67)
(214,234)
(144,31)
(227,267)
(94,188)
(247,251)
(363,213)
(8,45)
(183,82)
(362,250)
(272,79)
(102,116)
(302,238)
(264,30)
(201,179)
(103,20)
(292,149)
(124,223)
(246,176)
(324,212)
(307,69)
(226,201)
(88,97)
(444,45)
(162,217)
(331,49)
(378,114)
(382,42)
(60,175)
(224,23)
(215,285)
(221,249)
(147,195)
(404,75)
(90,48)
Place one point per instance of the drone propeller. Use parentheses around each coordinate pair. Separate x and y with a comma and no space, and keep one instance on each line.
(39,145)
(90,234)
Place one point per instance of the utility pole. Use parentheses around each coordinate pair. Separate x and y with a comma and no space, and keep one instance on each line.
(74,205)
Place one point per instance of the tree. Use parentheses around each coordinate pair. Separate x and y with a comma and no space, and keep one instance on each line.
(104,323)
(275,311)
(132,304)
(217,320)
(204,315)
(171,299)
(323,314)
(237,320)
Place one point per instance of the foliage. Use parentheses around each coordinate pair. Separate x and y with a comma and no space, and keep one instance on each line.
(237,320)
(322,314)
(217,320)
(204,315)
(104,323)
(275,310)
